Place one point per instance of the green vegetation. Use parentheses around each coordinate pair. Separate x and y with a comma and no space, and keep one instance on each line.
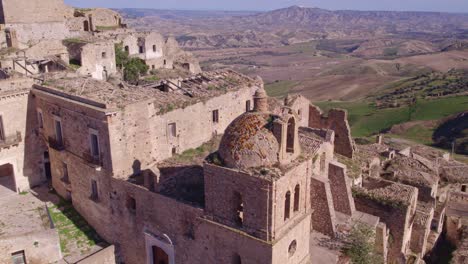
(279,89)
(390,52)
(199,153)
(74,232)
(74,41)
(152,78)
(360,244)
(106,28)
(24,193)
(380,199)
(429,85)
(366,119)
(133,67)
(418,133)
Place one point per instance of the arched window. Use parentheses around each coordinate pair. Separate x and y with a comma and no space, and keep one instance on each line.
(238,209)
(287,206)
(236,259)
(127,49)
(290,135)
(297,192)
(292,248)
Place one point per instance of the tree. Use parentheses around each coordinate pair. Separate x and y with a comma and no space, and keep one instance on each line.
(133,68)
(121,56)
(360,246)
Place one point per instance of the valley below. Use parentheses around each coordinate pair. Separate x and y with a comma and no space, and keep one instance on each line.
(354,60)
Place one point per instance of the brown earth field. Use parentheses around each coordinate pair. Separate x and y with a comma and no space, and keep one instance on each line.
(321,75)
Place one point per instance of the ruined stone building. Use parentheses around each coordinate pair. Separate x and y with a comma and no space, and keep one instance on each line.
(199,169)
(272,183)
(38,37)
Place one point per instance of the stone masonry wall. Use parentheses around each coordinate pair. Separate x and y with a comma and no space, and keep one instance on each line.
(323,214)
(337,120)
(19,116)
(299,176)
(145,133)
(221,184)
(396,221)
(341,189)
(98,60)
(34,11)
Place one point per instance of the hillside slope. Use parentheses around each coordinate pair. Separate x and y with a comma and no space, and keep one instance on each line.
(453,130)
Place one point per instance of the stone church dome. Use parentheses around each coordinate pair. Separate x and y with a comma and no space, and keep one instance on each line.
(249,142)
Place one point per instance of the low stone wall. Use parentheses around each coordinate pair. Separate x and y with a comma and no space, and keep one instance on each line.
(105,256)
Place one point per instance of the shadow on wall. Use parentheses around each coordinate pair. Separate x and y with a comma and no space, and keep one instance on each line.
(34,167)
(184,183)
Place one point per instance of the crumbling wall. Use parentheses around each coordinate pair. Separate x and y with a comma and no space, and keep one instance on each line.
(221,186)
(145,128)
(33,33)
(396,220)
(19,120)
(33,11)
(104,19)
(336,120)
(323,213)
(98,60)
(341,189)
(420,231)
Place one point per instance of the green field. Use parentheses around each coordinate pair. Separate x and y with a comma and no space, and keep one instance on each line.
(366,120)
(279,89)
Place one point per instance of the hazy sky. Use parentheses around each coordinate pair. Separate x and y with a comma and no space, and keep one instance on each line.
(411,5)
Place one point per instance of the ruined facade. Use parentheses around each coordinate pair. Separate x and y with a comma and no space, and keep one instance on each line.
(38,37)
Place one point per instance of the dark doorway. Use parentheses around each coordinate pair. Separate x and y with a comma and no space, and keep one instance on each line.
(290,135)
(159,256)
(86,25)
(47,169)
(7,179)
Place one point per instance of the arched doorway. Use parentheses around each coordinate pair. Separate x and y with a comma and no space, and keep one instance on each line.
(7,179)
(159,256)
(86,25)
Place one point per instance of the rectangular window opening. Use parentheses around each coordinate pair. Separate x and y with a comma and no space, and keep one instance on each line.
(65,173)
(215,116)
(131,204)
(58,132)
(95,152)
(2,131)
(104,55)
(18,257)
(172,130)
(248,106)
(94,190)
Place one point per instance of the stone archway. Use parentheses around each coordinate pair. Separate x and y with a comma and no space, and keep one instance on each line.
(159,256)
(7,179)
(159,249)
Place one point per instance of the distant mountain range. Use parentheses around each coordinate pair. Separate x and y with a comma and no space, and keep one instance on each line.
(218,29)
